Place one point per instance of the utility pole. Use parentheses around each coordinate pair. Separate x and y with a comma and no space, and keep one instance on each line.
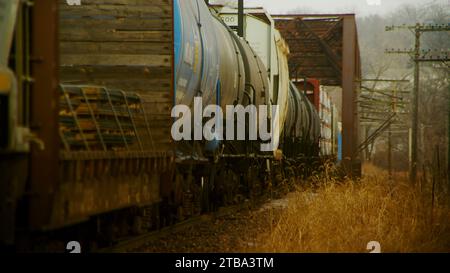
(390,152)
(415,121)
(241,18)
(415,54)
(393,110)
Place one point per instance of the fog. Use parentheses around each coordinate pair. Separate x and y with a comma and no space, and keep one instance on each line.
(359,7)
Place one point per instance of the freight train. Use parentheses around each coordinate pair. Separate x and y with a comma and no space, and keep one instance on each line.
(86,146)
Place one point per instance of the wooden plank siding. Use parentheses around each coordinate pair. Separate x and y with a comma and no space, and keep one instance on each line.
(123,44)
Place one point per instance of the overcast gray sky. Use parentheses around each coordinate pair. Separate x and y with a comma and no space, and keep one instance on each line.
(360,7)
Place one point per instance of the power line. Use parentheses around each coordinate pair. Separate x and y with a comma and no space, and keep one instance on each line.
(418,56)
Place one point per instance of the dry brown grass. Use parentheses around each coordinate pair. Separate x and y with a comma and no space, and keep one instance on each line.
(345,216)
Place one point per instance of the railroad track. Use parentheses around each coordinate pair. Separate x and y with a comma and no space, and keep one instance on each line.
(134,243)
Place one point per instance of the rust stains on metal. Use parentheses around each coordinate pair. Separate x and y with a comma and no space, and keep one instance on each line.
(315,42)
(44,110)
(351,72)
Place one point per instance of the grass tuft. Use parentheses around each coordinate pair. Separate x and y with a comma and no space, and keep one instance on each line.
(343,216)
